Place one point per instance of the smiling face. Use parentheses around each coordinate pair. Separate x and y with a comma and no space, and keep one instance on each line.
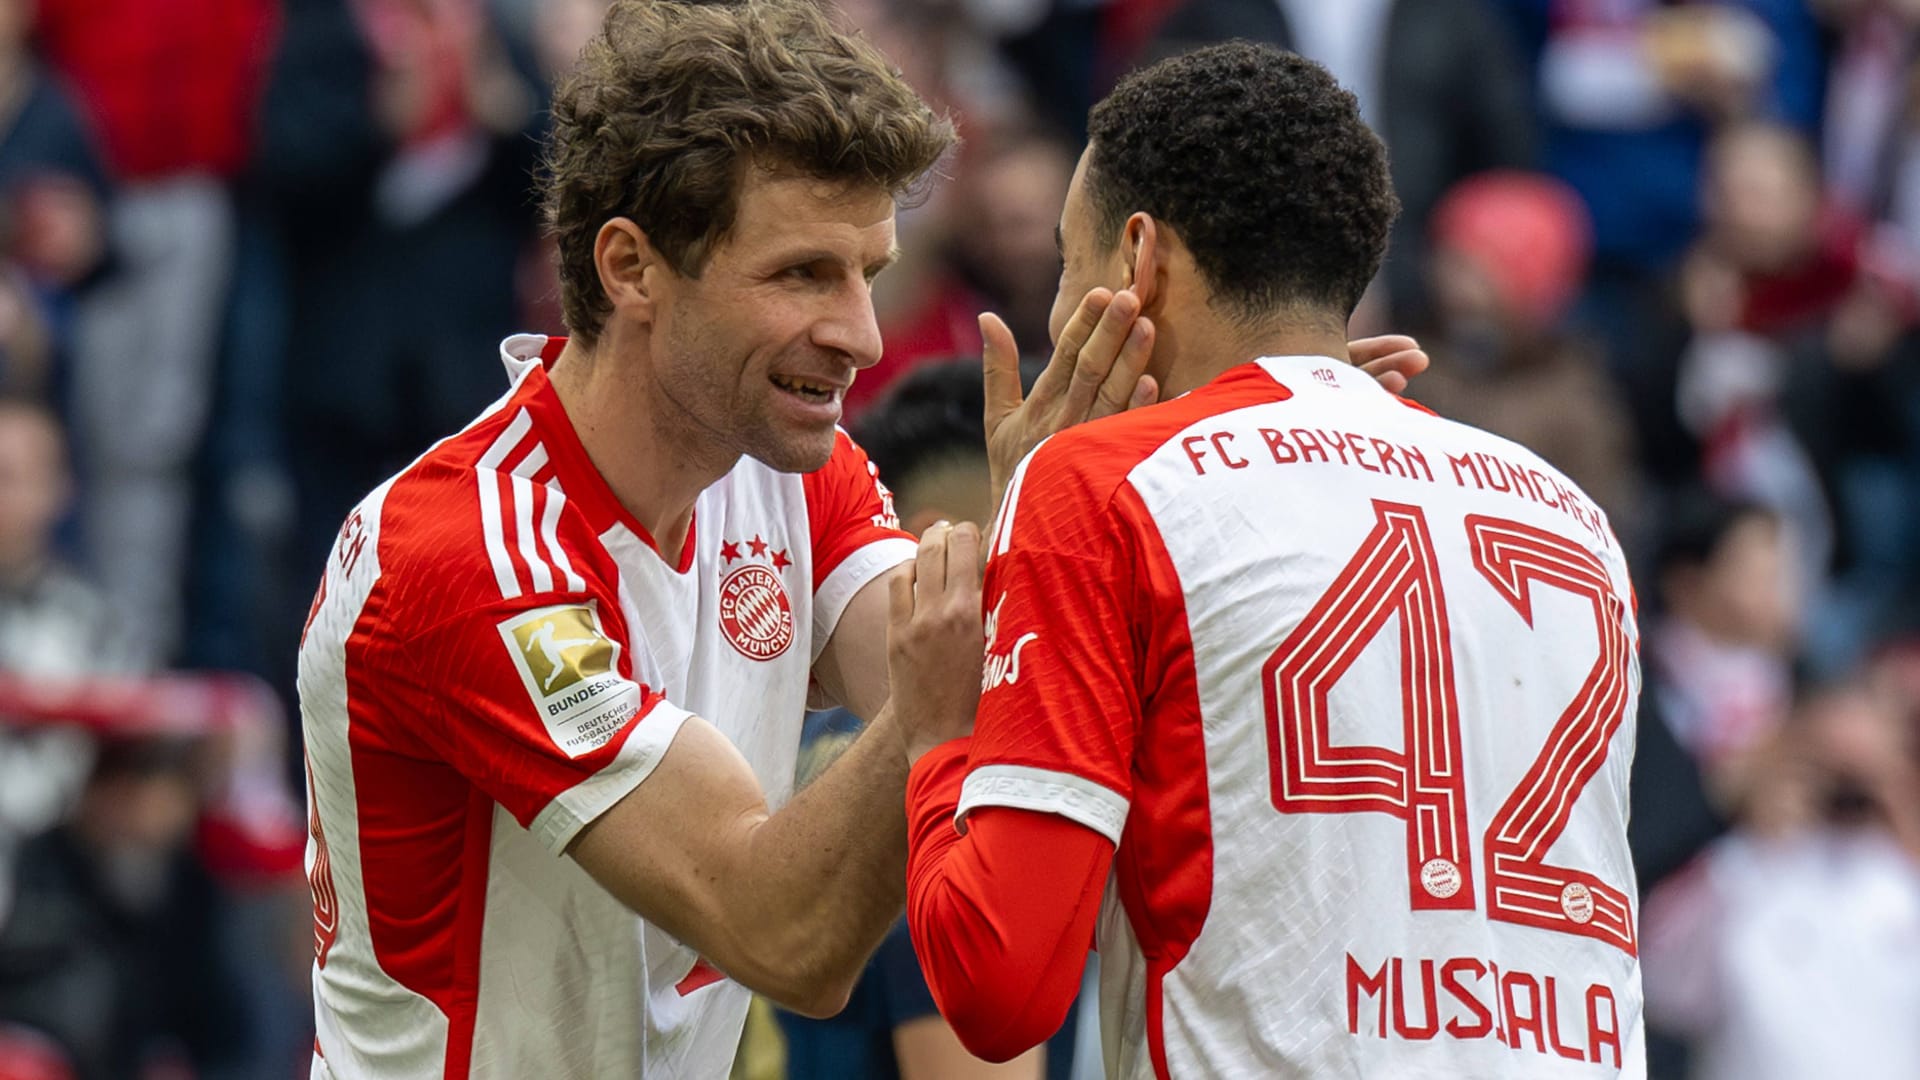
(757,352)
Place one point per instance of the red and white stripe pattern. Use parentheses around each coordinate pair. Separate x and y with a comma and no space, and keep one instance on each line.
(761,614)
(517,488)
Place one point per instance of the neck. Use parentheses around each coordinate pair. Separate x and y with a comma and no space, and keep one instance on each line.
(653,465)
(1197,354)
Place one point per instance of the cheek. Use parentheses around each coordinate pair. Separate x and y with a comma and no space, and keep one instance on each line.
(1063,304)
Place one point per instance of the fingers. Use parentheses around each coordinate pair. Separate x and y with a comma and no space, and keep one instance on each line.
(1366,350)
(1145,392)
(1054,380)
(999,368)
(1395,370)
(1122,384)
(963,559)
(1391,359)
(930,565)
(1097,358)
(900,596)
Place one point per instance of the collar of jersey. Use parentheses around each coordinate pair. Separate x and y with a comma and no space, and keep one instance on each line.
(529,356)
(1299,373)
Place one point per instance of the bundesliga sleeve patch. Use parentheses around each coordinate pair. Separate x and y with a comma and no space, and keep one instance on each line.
(570,668)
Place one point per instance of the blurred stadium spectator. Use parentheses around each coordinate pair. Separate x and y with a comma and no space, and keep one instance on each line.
(54,625)
(1787,951)
(149,929)
(53,191)
(397,147)
(1509,257)
(1440,80)
(1718,654)
(170,90)
(113,919)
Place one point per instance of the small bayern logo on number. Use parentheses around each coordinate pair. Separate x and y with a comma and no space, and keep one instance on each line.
(1440,878)
(1577,901)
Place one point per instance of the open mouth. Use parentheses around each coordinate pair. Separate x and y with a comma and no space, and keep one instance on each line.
(808,389)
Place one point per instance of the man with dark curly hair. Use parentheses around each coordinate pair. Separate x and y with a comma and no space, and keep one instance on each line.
(1313,709)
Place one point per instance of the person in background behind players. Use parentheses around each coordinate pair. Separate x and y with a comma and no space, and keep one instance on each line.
(1785,950)
(1313,708)
(54,624)
(925,435)
(1508,259)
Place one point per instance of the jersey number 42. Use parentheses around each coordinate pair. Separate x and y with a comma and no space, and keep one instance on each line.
(1424,783)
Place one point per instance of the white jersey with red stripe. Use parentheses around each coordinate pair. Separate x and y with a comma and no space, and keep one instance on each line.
(497,655)
(1352,689)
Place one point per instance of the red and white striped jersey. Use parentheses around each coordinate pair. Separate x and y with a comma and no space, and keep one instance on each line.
(1352,689)
(496,656)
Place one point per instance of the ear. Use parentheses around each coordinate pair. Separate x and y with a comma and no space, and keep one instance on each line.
(1144,257)
(629,268)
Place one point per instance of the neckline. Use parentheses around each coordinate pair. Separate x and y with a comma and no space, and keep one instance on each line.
(578,477)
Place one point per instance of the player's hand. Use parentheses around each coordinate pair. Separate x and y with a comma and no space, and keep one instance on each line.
(1097,369)
(935,638)
(1392,359)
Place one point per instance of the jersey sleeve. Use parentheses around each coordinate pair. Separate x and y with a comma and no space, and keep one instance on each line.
(534,701)
(1002,917)
(1060,703)
(856,535)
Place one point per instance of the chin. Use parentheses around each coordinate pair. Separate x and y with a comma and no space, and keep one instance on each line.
(795,455)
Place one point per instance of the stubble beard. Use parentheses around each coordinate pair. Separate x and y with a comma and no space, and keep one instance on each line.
(718,411)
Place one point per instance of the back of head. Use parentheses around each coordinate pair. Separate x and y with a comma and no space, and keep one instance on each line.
(1261,164)
(671,104)
(928,422)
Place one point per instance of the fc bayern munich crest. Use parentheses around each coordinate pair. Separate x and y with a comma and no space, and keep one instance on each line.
(755,613)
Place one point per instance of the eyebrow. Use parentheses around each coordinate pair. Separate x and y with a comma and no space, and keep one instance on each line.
(1059,242)
(892,256)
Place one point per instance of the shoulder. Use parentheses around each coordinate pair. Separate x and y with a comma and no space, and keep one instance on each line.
(1088,463)
(467,528)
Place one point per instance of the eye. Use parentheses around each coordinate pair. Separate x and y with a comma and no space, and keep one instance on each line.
(803,272)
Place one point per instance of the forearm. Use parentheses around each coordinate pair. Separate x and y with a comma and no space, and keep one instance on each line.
(819,882)
(1002,917)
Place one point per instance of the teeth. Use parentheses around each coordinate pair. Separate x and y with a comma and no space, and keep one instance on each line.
(804,386)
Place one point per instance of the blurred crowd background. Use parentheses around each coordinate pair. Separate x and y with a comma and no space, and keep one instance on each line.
(255,255)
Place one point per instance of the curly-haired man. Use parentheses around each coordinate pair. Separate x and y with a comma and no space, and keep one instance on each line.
(1313,708)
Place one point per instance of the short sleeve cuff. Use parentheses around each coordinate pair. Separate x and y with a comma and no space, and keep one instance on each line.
(846,580)
(1023,787)
(574,808)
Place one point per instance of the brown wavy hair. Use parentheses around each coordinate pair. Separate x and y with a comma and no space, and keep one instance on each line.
(672,102)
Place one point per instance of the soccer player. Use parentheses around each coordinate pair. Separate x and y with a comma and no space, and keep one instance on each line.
(555,671)
(1314,709)
(586,624)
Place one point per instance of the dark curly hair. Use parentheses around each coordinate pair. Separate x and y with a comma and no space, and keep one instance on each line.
(1260,163)
(672,101)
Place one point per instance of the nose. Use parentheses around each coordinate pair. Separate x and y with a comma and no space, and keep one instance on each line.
(852,327)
